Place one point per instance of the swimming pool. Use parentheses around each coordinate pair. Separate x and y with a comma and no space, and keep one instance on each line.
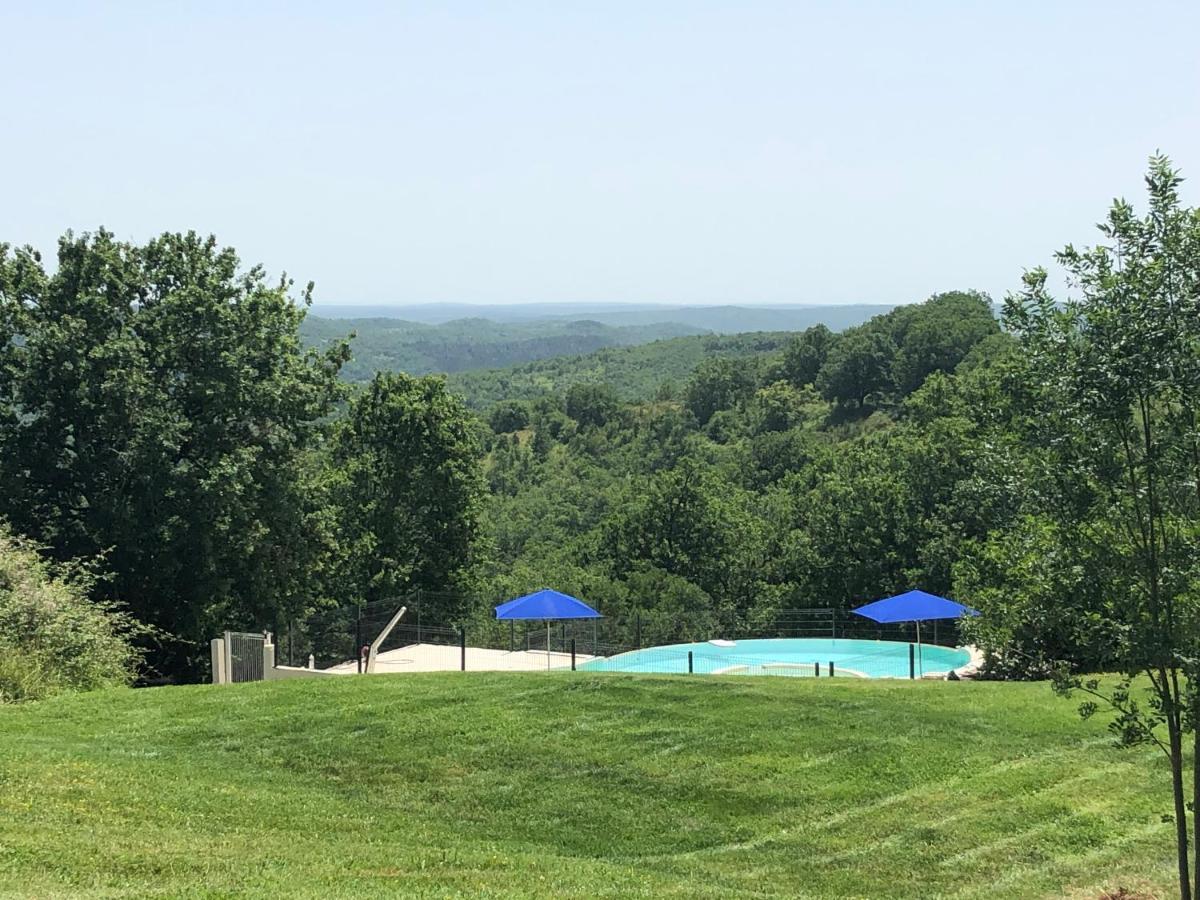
(785,656)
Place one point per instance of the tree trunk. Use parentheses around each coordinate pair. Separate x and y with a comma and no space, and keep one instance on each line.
(1181,821)
(1196,803)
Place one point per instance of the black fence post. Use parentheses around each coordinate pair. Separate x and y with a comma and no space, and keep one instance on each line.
(358,639)
(638,638)
(690,669)
(817,669)
(572,654)
(462,644)
(831,668)
(912,661)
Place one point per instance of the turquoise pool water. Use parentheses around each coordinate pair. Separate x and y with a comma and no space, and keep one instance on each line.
(786,656)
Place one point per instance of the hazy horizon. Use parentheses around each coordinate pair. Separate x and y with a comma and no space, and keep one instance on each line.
(599,304)
(761,153)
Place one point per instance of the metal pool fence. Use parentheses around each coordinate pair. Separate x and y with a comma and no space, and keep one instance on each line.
(895,661)
(432,639)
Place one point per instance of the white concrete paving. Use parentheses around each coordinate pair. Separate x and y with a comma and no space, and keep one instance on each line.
(448,658)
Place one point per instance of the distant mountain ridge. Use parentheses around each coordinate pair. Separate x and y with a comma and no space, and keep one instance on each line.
(397,345)
(726,319)
(453,338)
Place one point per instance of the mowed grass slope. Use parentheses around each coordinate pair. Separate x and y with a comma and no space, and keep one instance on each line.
(576,786)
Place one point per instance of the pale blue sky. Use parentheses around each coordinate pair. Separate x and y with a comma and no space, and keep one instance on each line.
(684,152)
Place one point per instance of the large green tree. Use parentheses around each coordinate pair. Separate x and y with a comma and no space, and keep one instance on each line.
(408,488)
(858,367)
(939,334)
(156,407)
(591,405)
(688,524)
(717,384)
(807,352)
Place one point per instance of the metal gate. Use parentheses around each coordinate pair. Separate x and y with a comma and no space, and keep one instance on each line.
(245,655)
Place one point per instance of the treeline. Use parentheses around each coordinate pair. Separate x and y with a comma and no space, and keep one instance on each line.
(160,418)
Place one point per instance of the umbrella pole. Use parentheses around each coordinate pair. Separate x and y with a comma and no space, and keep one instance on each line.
(547,645)
(920,655)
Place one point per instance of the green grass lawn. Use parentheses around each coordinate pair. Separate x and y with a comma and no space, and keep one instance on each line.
(578,786)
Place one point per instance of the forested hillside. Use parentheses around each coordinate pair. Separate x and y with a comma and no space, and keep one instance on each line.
(395,345)
(642,372)
(459,338)
(823,470)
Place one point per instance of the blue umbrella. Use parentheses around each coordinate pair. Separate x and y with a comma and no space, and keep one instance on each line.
(914,606)
(546,604)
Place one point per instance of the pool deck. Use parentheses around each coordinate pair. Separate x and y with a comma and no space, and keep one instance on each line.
(448,658)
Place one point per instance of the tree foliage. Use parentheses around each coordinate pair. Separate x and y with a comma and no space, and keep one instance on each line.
(160,404)
(590,405)
(508,417)
(806,354)
(751,495)
(158,412)
(407,488)
(717,384)
(858,368)
(1116,373)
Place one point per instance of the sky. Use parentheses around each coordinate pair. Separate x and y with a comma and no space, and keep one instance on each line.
(672,152)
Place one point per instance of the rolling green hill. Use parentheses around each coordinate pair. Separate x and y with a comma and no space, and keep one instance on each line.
(391,345)
(634,373)
(535,785)
(455,338)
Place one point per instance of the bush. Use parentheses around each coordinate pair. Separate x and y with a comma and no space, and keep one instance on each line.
(53,639)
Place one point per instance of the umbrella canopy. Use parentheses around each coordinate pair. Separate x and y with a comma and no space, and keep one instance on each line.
(914,606)
(546,604)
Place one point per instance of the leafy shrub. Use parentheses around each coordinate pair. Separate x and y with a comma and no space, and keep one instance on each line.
(53,639)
